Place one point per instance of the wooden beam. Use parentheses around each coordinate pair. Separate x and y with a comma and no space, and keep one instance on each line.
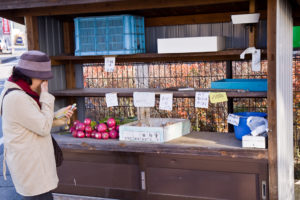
(32,32)
(272,112)
(116,6)
(19,20)
(194,19)
(252,30)
(68,28)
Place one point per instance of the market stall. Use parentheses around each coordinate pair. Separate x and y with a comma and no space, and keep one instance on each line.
(198,165)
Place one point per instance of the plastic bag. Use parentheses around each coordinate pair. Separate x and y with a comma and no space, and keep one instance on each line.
(257,125)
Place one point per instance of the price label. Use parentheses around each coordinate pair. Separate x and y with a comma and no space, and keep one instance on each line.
(201,99)
(110,63)
(144,99)
(233,119)
(111,99)
(218,97)
(166,102)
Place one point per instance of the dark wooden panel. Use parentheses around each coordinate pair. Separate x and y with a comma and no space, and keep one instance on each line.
(99,192)
(101,175)
(128,92)
(202,184)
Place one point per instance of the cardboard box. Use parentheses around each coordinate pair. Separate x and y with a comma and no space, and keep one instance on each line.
(191,44)
(156,133)
(250,141)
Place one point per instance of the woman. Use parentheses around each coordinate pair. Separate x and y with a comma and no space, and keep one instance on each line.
(28,116)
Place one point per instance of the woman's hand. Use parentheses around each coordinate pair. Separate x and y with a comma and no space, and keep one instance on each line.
(44,86)
(69,112)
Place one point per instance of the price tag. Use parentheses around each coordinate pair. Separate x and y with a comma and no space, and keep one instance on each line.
(144,99)
(109,64)
(166,102)
(111,99)
(233,119)
(218,97)
(201,99)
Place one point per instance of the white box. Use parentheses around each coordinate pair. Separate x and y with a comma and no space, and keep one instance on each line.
(190,44)
(156,133)
(245,18)
(254,141)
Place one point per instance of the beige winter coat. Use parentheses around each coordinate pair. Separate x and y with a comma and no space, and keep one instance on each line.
(28,145)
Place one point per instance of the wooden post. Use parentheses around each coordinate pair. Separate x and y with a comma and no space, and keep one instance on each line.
(32,32)
(70,69)
(230,100)
(272,112)
(252,29)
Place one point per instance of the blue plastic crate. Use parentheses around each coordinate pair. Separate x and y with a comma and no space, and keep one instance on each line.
(109,35)
(253,85)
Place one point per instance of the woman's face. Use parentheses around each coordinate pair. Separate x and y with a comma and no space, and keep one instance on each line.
(36,85)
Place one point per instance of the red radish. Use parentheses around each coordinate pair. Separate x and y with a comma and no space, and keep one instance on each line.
(76,122)
(80,134)
(88,129)
(72,129)
(102,127)
(111,128)
(80,127)
(93,133)
(98,135)
(88,135)
(113,134)
(87,121)
(105,135)
(111,122)
(74,133)
(117,128)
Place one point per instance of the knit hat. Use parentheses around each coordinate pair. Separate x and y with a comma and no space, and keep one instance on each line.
(35,64)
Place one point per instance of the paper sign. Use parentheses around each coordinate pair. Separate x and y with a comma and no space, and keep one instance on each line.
(217,97)
(233,119)
(111,99)
(166,102)
(144,99)
(109,64)
(201,99)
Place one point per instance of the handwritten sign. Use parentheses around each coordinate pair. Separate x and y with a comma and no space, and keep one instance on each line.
(218,97)
(201,99)
(111,99)
(166,102)
(110,63)
(144,99)
(233,119)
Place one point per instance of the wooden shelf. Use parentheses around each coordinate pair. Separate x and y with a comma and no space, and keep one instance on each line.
(233,54)
(128,92)
(195,143)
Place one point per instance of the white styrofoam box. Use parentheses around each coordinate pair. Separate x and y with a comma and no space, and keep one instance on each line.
(156,132)
(245,18)
(254,141)
(191,44)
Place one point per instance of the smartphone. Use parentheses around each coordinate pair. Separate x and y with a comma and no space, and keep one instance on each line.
(73,106)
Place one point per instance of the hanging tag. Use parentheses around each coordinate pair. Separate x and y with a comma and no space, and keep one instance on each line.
(233,119)
(256,60)
(109,64)
(201,99)
(166,102)
(144,99)
(218,97)
(111,99)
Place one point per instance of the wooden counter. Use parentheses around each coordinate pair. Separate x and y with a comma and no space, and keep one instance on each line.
(196,143)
